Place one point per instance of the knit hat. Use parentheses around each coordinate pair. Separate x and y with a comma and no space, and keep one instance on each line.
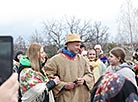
(98,47)
(72,38)
(18,53)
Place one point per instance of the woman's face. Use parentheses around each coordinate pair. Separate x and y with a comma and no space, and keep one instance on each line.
(98,50)
(92,55)
(114,61)
(42,55)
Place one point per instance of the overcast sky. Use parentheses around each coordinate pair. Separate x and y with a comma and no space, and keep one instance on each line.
(22,17)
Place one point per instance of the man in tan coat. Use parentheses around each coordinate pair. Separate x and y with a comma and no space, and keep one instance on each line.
(73,71)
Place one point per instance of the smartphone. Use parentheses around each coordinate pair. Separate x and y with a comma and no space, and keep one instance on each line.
(6,57)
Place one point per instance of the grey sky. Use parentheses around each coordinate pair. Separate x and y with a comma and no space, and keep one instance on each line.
(22,17)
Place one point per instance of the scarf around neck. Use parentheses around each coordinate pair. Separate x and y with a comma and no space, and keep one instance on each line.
(68,53)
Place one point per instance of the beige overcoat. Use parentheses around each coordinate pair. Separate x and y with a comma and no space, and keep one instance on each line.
(69,70)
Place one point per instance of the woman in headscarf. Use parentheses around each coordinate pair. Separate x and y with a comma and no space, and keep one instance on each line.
(118,64)
(34,84)
(112,87)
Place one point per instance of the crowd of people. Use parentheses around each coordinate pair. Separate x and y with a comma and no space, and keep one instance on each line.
(74,74)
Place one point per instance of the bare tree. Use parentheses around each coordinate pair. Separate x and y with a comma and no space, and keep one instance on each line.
(135,24)
(19,44)
(127,21)
(79,26)
(36,38)
(100,33)
(55,32)
(92,33)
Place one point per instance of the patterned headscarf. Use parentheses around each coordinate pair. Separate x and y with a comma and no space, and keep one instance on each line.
(114,88)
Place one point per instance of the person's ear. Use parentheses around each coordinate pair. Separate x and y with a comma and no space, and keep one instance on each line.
(119,59)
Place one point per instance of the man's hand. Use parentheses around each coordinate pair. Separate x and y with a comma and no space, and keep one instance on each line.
(69,85)
(80,81)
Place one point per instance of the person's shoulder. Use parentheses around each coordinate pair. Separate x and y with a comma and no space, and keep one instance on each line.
(126,69)
(109,69)
(57,57)
(27,70)
(79,55)
(99,61)
(82,57)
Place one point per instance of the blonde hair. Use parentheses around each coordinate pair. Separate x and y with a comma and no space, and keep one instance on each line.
(33,53)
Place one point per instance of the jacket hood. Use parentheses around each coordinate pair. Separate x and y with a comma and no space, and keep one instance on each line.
(125,65)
